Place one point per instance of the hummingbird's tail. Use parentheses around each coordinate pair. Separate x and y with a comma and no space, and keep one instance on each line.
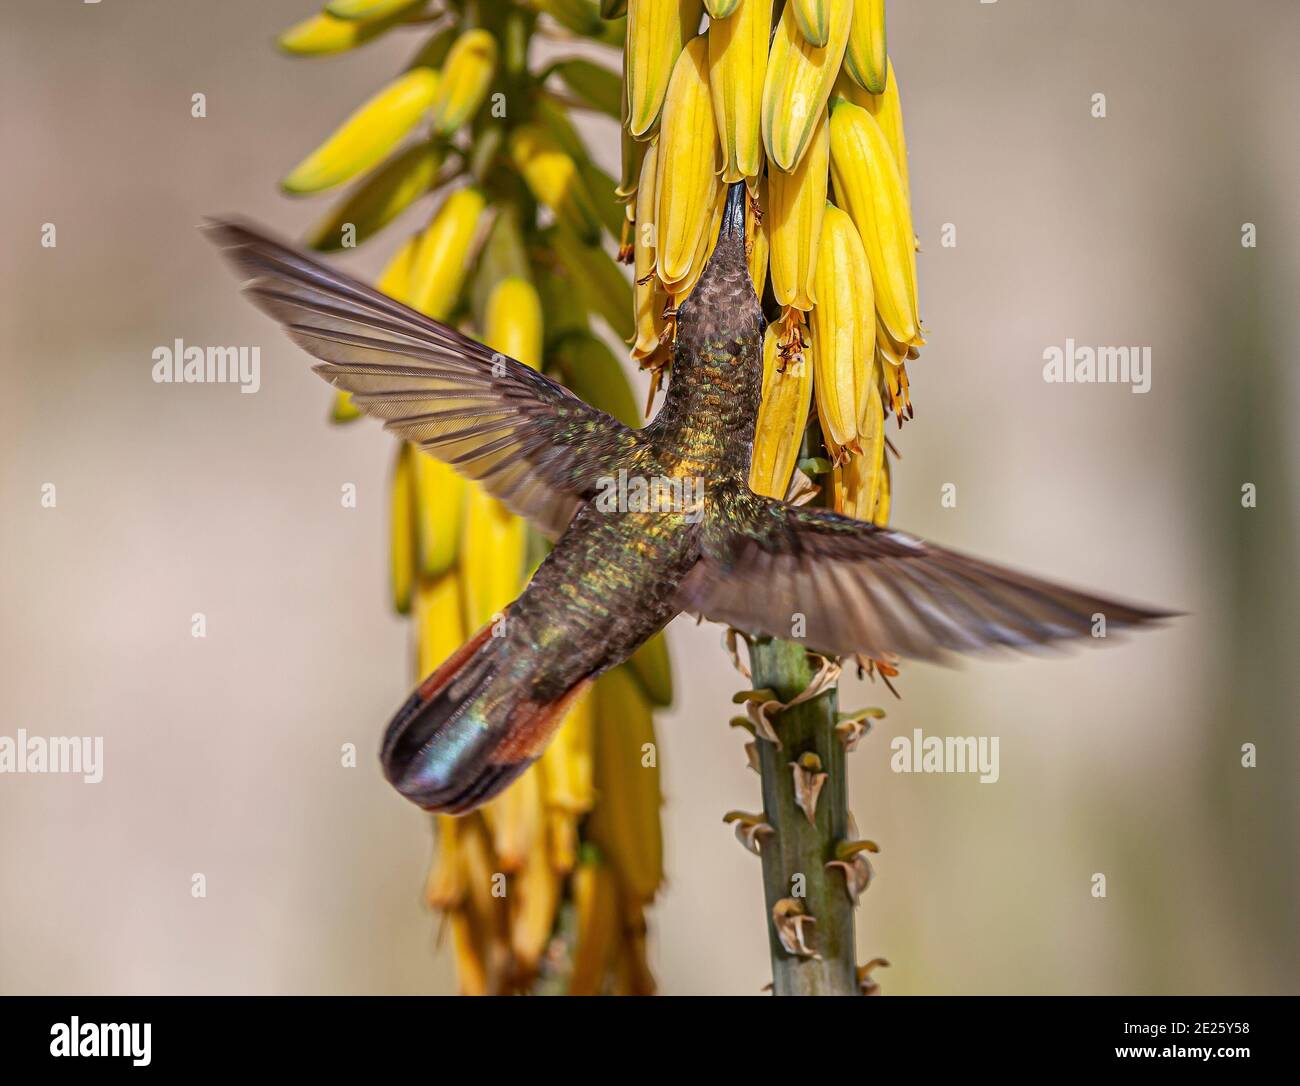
(469,729)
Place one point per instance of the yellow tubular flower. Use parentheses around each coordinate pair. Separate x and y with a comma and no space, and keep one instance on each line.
(680,289)
(440,627)
(474,940)
(656,32)
(364,9)
(513,321)
(649,299)
(856,484)
(625,821)
(887,108)
(367,135)
(562,839)
(871,426)
(865,59)
(843,332)
(395,279)
(595,895)
(686,181)
(868,185)
(798,84)
(720,9)
(466,948)
(444,888)
(466,75)
(440,502)
(516,819)
(787,396)
(474,844)
(326,33)
(555,179)
(319,35)
(566,762)
(737,65)
(534,897)
(796,202)
(442,262)
(493,547)
(813,18)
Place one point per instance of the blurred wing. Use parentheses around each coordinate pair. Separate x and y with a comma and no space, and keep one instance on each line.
(528,440)
(875,591)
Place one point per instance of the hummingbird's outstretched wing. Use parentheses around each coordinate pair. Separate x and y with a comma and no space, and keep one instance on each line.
(876,591)
(527,439)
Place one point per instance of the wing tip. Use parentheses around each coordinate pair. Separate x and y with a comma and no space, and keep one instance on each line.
(227,231)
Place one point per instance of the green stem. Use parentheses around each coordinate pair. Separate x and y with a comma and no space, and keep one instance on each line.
(798,847)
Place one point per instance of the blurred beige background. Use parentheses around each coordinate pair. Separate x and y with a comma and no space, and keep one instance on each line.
(222,753)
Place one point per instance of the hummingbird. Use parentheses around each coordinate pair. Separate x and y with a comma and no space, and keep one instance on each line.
(617,575)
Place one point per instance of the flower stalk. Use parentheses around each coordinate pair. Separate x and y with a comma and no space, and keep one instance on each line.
(796,854)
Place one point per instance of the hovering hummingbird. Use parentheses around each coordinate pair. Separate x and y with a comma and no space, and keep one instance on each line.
(616,576)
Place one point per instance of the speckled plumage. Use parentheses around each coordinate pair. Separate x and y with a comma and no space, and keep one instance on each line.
(617,576)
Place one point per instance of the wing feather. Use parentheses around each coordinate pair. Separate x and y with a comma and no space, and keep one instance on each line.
(877,591)
(527,439)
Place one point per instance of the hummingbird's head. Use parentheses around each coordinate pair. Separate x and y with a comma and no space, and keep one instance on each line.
(723,312)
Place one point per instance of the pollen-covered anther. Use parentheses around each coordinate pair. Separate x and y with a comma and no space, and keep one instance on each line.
(809,780)
(851,858)
(794,928)
(900,399)
(790,340)
(750,829)
(866,985)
